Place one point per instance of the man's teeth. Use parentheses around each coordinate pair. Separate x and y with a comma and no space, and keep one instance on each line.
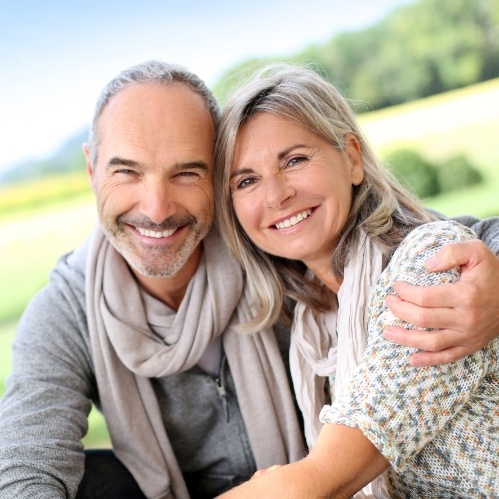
(294,219)
(153,233)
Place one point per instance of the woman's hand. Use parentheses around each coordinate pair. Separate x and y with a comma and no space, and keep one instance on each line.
(341,463)
(261,472)
(465,312)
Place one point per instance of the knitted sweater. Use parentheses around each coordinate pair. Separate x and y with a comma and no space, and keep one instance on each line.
(438,426)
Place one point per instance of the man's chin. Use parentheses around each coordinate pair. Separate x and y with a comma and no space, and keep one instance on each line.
(154,269)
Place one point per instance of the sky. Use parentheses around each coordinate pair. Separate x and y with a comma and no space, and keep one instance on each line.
(57,55)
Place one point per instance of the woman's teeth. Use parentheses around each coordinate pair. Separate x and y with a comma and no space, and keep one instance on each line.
(294,219)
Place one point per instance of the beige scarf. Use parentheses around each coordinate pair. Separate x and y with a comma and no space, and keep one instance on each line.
(331,345)
(134,339)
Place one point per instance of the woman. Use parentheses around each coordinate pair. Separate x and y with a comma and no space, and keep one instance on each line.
(300,189)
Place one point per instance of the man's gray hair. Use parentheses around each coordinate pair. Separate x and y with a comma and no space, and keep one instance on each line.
(150,72)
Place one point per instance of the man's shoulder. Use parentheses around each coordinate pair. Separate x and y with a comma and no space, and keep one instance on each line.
(64,292)
(71,266)
(55,319)
(486,229)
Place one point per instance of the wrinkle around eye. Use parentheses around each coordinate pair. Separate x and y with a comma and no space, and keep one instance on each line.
(245,183)
(296,161)
(187,174)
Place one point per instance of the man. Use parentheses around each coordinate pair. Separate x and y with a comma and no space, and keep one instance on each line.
(141,320)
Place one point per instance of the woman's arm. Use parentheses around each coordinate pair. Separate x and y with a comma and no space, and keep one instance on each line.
(419,418)
(398,408)
(340,464)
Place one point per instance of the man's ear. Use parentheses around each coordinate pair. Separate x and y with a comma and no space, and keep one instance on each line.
(354,154)
(90,169)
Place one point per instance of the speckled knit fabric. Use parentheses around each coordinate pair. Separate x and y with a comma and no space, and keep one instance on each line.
(438,426)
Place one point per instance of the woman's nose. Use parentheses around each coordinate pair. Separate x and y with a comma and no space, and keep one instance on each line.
(277,191)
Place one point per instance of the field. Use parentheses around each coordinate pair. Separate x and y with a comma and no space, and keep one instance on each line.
(465,121)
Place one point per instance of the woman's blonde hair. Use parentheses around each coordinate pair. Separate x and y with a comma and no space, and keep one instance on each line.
(380,205)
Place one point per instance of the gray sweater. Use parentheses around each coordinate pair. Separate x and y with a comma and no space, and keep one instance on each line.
(43,415)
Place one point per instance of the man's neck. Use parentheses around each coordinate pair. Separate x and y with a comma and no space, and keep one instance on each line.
(171,290)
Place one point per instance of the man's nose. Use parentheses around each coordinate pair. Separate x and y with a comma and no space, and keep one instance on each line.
(277,191)
(158,202)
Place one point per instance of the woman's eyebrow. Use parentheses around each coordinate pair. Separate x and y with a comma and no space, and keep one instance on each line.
(280,156)
(240,171)
(286,151)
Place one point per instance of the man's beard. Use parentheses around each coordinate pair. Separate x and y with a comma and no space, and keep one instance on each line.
(156,261)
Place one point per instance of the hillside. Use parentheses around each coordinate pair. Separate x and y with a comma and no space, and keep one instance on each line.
(464,121)
(68,158)
(460,121)
(419,49)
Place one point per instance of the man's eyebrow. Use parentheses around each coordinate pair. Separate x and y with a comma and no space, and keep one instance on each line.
(117,161)
(130,163)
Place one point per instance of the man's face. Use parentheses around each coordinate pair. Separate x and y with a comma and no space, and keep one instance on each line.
(153,176)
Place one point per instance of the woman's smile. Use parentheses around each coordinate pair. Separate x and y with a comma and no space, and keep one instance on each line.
(291,189)
(293,220)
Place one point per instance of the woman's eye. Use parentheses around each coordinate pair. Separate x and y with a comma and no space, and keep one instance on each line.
(296,161)
(245,182)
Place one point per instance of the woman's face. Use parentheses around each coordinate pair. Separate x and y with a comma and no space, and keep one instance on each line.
(291,189)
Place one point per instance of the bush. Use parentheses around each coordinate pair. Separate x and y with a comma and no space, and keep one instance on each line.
(414,172)
(456,173)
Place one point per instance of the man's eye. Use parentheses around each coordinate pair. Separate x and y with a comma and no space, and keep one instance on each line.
(186,174)
(125,171)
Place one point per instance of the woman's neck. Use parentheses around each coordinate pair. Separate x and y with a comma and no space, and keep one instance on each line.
(325,274)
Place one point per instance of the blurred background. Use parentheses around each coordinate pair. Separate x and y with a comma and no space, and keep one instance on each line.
(423,75)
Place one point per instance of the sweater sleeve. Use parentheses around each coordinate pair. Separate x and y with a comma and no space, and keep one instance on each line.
(398,407)
(43,414)
(487,230)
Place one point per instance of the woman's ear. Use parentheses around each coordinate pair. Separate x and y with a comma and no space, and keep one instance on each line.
(353,152)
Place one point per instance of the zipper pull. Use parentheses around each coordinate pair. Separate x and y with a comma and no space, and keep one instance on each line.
(221,388)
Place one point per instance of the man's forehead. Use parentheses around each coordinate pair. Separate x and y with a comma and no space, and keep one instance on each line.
(156,123)
(173,112)
(154,100)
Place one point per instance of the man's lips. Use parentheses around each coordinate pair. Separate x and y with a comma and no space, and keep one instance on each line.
(156,234)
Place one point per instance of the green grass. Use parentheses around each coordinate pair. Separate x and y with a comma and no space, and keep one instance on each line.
(31,243)
(24,197)
(460,122)
(97,436)
(7,332)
